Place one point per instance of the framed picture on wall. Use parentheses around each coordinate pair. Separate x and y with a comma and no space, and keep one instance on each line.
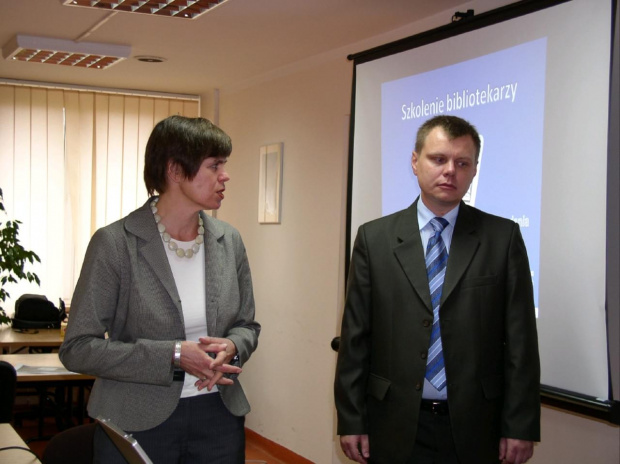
(270,184)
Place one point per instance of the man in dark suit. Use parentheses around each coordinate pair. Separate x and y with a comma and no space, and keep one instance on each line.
(438,358)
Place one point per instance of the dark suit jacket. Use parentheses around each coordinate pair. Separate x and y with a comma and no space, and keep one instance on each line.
(488,330)
(126,290)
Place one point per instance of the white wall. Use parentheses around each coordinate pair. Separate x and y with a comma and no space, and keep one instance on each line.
(298,267)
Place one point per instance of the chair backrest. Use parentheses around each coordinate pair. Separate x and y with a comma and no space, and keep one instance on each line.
(127,445)
(74,445)
(8,378)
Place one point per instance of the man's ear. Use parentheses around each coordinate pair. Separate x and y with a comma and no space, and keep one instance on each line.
(414,163)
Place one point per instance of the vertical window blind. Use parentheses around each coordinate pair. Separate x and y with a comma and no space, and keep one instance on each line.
(71,161)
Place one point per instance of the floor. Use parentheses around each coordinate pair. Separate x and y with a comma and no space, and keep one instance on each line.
(255,451)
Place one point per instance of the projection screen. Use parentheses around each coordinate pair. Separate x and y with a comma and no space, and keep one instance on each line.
(537,87)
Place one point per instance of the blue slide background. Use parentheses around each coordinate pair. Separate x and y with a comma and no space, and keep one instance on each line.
(510,169)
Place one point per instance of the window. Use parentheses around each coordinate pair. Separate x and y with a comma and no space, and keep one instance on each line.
(71,161)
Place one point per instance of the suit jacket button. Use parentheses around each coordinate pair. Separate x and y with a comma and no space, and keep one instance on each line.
(418,386)
(426,323)
(423,355)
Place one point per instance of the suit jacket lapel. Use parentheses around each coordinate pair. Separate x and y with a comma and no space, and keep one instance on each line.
(462,249)
(410,253)
(141,224)
(214,256)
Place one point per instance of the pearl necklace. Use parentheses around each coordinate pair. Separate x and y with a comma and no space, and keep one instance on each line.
(172,245)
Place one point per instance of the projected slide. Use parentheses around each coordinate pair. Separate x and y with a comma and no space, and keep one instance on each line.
(502,94)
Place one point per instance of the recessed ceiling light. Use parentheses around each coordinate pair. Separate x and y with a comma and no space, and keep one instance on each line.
(187,9)
(64,52)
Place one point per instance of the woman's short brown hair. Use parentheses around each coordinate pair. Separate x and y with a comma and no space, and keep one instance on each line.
(187,142)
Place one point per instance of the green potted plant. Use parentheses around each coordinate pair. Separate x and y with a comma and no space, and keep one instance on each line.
(13,258)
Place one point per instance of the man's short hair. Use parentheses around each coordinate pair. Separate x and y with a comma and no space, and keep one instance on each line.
(187,142)
(453,126)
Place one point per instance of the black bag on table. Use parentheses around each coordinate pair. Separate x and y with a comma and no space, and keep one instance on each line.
(37,312)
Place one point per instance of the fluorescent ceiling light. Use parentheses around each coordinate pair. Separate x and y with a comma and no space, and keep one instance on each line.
(64,52)
(188,9)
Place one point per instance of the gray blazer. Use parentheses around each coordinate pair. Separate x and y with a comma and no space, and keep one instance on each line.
(126,315)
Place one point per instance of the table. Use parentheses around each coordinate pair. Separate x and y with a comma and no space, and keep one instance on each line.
(57,371)
(9,437)
(12,341)
(51,373)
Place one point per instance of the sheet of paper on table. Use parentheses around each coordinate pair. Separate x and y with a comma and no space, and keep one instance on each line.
(41,370)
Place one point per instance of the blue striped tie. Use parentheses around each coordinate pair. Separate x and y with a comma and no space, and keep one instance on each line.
(436,260)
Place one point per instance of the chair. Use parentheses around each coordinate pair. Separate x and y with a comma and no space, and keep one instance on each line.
(74,445)
(8,379)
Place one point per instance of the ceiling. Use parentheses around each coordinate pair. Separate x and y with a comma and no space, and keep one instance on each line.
(235,43)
